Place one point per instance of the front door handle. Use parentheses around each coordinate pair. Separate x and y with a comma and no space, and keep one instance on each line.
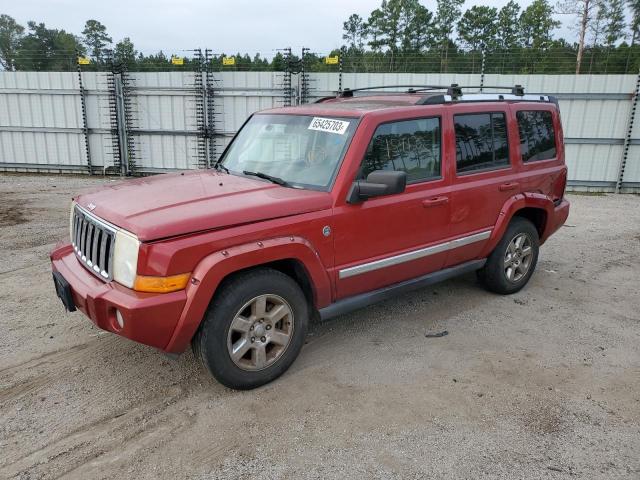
(509,186)
(433,202)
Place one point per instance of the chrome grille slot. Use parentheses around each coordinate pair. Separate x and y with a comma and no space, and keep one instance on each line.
(93,242)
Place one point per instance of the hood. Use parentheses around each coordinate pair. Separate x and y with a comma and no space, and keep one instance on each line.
(174,204)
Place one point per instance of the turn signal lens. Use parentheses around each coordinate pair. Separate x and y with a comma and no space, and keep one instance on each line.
(161,284)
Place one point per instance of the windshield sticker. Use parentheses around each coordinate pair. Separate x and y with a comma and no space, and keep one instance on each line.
(328,125)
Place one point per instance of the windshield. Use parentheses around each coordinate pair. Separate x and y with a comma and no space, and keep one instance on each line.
(302,151)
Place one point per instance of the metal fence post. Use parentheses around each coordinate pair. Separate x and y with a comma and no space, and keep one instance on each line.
(85,126)
(122,127)
(627,139)
(340,72)
(483,52)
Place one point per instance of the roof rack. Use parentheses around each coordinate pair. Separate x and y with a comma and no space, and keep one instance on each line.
(454,90)
(452,93)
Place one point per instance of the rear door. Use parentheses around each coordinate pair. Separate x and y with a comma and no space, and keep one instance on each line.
(540,144)
(484,175)
(388,239)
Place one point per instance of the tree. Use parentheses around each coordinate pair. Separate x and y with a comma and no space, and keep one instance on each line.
(125,52)
(418,25)
(598,25)
(585,11)
(375,29)
(509,26)
(10,36)
(447,15)
(389,28)
(96,38)
(537,24)
(478,27)
(48,49)
(634,6)
(355,31)
(615,24)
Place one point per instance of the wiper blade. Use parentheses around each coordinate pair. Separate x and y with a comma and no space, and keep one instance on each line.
(271,178)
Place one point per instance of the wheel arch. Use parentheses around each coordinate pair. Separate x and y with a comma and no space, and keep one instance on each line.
(535,207)
(293,256)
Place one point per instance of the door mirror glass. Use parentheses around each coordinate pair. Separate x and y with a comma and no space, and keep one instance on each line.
(378,183)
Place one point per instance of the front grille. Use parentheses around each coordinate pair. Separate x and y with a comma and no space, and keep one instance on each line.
(93,241)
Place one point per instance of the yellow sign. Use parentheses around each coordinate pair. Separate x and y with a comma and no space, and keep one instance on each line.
(332,60)
(83,61)
(228,60)
(177,60)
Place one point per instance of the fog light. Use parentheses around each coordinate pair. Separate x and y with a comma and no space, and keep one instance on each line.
(119,319)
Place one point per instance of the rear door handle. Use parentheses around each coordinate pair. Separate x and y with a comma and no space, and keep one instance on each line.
(509,186)
(433,202)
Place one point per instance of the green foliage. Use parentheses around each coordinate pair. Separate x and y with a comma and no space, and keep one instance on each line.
(47,49)
(615,25)
(537,25)
(478,27)
(634,6)
(355,29)
(125,53)
(96,38)
(10,36)
(398,36)
(510,35)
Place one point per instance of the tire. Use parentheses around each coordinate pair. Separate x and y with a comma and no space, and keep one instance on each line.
(263,316)
(495,275)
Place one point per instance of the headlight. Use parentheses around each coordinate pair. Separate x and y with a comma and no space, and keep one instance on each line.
(125,258)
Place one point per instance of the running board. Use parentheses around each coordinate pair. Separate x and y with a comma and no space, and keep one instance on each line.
(362,300)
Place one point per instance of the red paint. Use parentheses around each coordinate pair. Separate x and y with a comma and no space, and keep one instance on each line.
(213,224)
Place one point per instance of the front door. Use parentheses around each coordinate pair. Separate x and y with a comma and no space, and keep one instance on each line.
(388,239)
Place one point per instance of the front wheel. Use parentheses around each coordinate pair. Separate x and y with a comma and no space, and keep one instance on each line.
(253,329)
(512,262)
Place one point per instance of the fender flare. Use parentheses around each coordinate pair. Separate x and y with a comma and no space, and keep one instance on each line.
(213,268)
(510,208)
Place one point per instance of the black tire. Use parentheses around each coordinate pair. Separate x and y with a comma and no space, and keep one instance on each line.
(493,275)
(210,343)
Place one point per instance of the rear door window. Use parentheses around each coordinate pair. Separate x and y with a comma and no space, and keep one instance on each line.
(537,136)
(481,142)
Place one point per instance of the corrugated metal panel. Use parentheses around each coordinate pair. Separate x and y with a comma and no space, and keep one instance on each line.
(41,122)
(593,162)
(632,169)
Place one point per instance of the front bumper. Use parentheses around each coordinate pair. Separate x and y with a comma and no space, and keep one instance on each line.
(149,318)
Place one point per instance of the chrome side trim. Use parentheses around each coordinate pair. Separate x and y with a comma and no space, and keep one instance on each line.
(364,299)
(413,255)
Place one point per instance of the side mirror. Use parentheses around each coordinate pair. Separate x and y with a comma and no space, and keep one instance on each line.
(378,183)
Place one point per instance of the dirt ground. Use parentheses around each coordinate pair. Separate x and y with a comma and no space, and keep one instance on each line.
(541,384)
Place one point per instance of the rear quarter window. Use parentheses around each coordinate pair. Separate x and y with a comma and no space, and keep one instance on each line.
(537,135)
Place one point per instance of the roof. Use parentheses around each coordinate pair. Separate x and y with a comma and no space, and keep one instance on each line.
(351,107)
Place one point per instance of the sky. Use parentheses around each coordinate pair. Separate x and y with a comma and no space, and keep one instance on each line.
(231,26)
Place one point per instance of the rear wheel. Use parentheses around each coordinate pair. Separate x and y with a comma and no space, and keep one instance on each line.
(253,329)
(512,262)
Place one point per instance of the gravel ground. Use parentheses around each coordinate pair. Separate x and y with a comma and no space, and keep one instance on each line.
(541,384)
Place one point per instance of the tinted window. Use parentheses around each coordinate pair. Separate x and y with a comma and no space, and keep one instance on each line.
(481,142)
(411,146)
(537,138)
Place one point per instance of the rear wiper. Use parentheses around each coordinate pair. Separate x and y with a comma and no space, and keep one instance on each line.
(271,178)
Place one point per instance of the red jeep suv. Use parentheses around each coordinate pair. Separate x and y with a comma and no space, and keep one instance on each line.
(313,211)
